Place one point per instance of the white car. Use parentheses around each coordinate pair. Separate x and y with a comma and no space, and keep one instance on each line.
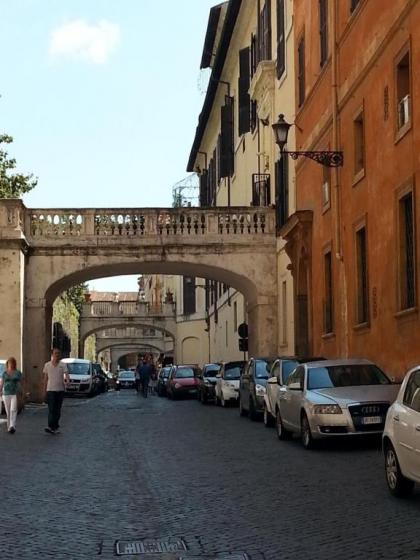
(401,438)
(81,380)
(279,374)
(227,383)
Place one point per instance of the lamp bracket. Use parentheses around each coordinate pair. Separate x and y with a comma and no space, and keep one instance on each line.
(326,158)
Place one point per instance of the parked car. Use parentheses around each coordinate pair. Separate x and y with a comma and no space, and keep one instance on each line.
(126,380)
(81,380)
(334,398)
(207,383)
(252,387)
(182,381)
(280,371)
(227,383)
(401,438)
(100,379)
(162,379)
(20,395)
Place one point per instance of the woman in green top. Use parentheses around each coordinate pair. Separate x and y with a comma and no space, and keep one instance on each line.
(10,384)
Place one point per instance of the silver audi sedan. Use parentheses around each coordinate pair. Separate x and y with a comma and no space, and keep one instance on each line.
(334,398)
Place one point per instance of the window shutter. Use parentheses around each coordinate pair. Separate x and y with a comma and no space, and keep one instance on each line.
(281,43)
(244,122)
(204,191)
(226,138)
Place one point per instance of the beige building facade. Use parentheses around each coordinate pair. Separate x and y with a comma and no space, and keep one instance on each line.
(252,81)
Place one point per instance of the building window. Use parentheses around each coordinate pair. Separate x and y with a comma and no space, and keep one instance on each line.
(284,311)
(301,71)
(403,91)
(362,307)
(226,144)
(326,187)
(261,195)
(359,143)
(282,191)
(406,252)
(235,316)
(189,295)
(328,294)
(264,33)
(323,31)
(281,40)
(244,113)
(353,5)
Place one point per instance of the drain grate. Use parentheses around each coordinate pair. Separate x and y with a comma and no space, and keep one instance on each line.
(150,546)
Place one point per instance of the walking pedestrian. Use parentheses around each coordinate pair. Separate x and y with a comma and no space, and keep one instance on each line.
(137,373)
(153,377)
(11,381)
(145,372)
(56,375)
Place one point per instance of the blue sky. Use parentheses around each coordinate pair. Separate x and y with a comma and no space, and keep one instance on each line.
(101,97)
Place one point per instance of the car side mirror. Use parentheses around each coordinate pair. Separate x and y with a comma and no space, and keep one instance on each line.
(295,386)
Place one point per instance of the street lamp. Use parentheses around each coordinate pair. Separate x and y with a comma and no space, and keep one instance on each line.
(326,158)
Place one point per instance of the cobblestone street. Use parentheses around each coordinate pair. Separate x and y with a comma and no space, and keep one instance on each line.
(125,468)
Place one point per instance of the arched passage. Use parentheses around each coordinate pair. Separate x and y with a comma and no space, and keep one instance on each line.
(54,266)
(116,325)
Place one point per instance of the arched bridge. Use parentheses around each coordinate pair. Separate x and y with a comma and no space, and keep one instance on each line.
(45,251)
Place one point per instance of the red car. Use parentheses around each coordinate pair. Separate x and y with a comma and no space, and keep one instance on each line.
(183,381)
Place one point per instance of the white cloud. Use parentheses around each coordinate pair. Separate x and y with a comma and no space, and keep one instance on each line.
(77,39)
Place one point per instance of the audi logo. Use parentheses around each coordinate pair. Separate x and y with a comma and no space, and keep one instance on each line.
(370,409)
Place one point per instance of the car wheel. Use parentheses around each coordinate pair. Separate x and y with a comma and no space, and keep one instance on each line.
(268,419)
(242,411)
(252,412)
(398,484)
(306,434)
(282,433)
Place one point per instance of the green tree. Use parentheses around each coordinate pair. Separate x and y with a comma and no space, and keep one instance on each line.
(12,185)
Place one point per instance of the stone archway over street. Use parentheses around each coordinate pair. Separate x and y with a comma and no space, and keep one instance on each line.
(49,250)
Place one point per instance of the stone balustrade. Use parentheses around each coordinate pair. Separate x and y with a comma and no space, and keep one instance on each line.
(148,222)
(114,309)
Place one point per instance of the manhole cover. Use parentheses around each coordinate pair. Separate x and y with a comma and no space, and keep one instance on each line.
(150,546)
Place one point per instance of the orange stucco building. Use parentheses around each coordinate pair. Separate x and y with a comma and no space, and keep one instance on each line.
(354,241)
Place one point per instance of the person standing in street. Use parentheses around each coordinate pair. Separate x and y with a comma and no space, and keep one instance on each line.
(10,383)
(56,376)
(145,372)
(137,373)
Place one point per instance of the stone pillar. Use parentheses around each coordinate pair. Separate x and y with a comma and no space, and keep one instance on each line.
(262,327)
(13,248)
(36,343)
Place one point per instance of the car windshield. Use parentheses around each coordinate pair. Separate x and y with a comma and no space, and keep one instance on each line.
(346,376)
(288,367)
(233,370)
(78,368)
(184,372)
(126,375)
(211,370)
(262,369)
(165,371)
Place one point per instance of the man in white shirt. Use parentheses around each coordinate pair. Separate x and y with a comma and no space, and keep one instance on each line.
(56,375)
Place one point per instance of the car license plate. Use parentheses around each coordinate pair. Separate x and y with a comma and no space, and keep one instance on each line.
(372,420)
(192,390)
